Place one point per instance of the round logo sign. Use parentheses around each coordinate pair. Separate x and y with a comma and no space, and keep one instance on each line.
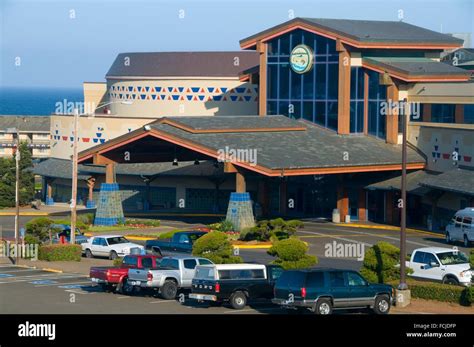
(301,59)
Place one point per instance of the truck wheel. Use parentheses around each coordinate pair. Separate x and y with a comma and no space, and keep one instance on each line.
(89,253)
(323,307)
(113,255)
(450,280)
(382,304)
(448,238)
(467,243)
(125,287)
(169,290)
(238,300)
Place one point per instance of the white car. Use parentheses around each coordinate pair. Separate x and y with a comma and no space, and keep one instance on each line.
(446,265)
(111,246)
(461,227)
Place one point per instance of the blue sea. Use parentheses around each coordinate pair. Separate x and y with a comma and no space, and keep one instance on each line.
(36,101)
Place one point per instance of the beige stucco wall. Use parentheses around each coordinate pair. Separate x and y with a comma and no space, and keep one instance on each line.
(94,94)
(174,97)
(439,141)
(92,131)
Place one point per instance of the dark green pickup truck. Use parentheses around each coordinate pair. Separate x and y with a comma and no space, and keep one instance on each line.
(234,283)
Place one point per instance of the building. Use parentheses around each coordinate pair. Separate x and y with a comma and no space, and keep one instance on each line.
(328,99)
(34,130)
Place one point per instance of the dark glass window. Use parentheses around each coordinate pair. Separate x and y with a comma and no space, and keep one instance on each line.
(189,263)
(131,261)
(312,95)
(315,279)
(147,263)
(469,114)
(336,278)
(377,96)
(419,257)
(442,113)
(357,100)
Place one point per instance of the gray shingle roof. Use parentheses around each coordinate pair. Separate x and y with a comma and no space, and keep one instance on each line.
(416,66)
(374,31)
(182,64)
(456,180)
(62,168)
(25,123)
(413,182)
(314,148)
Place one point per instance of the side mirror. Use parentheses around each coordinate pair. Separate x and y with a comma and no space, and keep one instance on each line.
(434,264)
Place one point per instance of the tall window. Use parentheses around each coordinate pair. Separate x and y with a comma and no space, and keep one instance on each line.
(357,100)
(311,95)
(377,95)
(469,114)
(443,113)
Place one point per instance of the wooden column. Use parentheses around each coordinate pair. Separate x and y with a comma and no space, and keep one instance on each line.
(49,189)
(262,48)
(362,205)
(392,118)
(459,114)
(240,185)
(426,113)
(342,201)
(366,103)
(90,186)
(110,173)
(344,89)
(283,197)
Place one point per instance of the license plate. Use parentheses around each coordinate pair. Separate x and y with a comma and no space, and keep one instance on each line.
(95,280)
(135,283)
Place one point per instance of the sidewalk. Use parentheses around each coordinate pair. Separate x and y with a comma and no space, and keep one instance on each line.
(422,306)
(371,225)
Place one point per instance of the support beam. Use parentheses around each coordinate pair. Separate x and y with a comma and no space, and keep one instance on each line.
(49,193)
(110,173)
(342,201)
(391,123)
(262,48)
(263,196)
(362,205)
(459,114)
(426,113)
(90,199)
(240,184)
(344,89)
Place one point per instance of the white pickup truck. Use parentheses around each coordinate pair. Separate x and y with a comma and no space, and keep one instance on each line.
(173,273)
(111,246)
(446,265)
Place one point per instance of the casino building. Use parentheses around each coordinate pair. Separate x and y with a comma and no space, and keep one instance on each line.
(318,103)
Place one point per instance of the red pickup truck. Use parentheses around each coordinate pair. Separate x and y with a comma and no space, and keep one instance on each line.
(115,278)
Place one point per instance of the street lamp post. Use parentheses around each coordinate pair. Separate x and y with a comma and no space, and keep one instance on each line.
(17,195)
(403,252)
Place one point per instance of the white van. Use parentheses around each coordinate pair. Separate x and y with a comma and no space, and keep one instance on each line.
(461,227)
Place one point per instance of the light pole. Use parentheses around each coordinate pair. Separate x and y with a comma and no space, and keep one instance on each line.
(403,219)
(17,194)
(75,165)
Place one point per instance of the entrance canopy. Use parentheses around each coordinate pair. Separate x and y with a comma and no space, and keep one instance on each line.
(277,145)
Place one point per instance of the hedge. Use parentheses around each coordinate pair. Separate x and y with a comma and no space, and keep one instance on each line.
(439,292)
(291,254)
(216,247)
(60,252)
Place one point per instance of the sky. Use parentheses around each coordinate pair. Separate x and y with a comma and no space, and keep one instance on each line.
(53,43)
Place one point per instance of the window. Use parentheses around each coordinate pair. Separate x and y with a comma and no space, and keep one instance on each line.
(243,274)
(170,264)
(430,258)
(469,114)
(354,279)
(103,242)
(443,113)
(97,241)
(132,261)
(204,273)
(467,221)
(276,273)
(315,279)
(183,238)
(452,258)
(357,100)
(419,256)
(147,263)
(458,222)
(189,263)
(377,96)
(336,278)
(313,95)
(204,262)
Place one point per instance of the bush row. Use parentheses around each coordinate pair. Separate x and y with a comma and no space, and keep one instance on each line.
(60,252)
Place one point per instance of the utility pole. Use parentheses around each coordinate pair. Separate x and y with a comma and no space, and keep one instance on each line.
(403,221)
(17,196)
(74,179)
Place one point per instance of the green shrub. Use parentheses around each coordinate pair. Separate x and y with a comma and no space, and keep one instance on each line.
(265,230)
(38,227)
(30,239)
(79,224)
(291,254)
(169,234)
(146,222)
(86,218)
(224,226)
(216,247)
(471,258)
(60,252)
(118,262)
(381,263)
(439,291)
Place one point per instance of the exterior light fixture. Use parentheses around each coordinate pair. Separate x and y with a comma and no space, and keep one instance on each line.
(196,162)
(147,127)
(175,162)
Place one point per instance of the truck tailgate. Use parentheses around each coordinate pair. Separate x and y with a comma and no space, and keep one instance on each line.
(99,272)
(138,275)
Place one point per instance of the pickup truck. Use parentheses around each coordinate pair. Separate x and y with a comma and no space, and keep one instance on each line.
(174,273)
(111,277)
(111,246)
(234,283)
(446,265)
(181,242)
(58,230)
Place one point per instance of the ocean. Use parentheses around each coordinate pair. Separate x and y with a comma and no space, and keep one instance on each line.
(36,101)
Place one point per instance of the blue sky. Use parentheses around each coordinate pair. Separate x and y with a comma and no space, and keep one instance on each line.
(59,51)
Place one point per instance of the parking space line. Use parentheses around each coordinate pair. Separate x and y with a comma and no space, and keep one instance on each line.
(33,279)
(77,291)
(160,301)
(60,284)
(123,297)
(19,270)
(336,237)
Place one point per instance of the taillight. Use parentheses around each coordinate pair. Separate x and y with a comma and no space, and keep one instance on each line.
(149,276)
(303,292)
(218,287)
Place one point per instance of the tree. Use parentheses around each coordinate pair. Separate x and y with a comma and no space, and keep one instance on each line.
(216,247)
(8,178)
(291,254)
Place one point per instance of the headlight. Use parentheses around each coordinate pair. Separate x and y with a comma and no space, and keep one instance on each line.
(465,273)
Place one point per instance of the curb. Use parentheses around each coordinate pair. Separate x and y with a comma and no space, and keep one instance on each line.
(51,270)
(389,227)
(12,214)
(252,246)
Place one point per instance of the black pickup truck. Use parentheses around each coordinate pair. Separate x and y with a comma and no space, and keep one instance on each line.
(234,283)
(181,242)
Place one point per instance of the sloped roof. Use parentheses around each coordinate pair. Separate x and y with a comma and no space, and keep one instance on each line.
(413,182)
(182,64)
(25,123)
(367,31)
(456,180)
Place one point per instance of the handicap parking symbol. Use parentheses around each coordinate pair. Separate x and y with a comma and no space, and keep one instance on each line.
(43,282)
(72,286)
(5,275)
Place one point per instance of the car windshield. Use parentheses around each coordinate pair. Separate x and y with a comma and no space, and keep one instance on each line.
(452,258)
(116,240)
